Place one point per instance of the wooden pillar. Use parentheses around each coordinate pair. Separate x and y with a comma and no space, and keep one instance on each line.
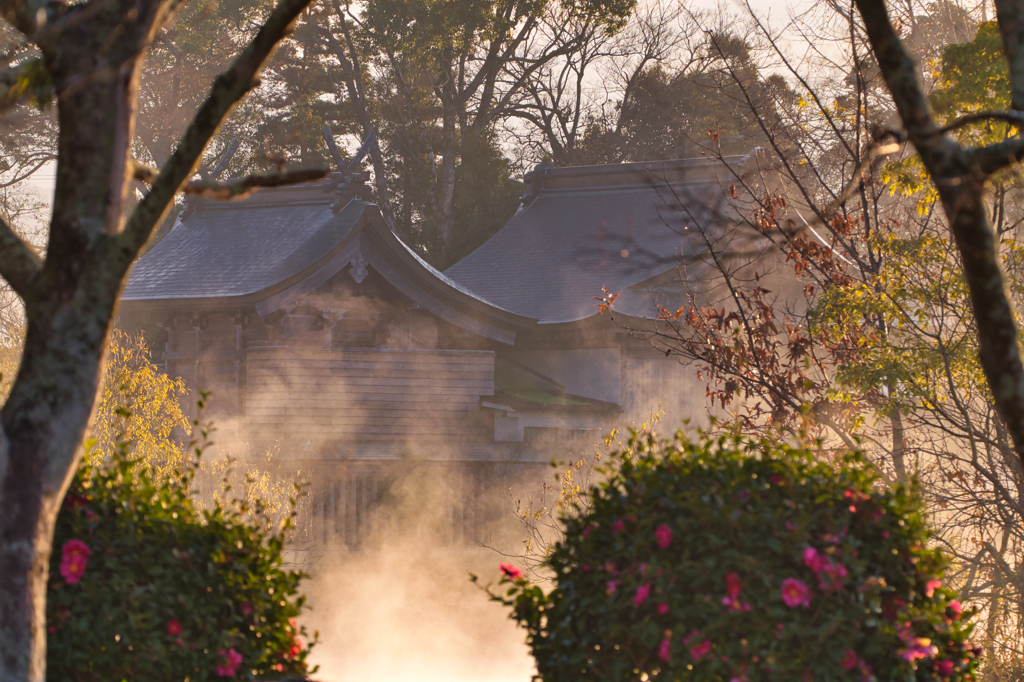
(241,322)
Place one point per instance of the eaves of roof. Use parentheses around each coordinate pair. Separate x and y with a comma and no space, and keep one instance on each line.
(223,257)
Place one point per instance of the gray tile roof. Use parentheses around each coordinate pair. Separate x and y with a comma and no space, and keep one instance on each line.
(614,226)
(234,249)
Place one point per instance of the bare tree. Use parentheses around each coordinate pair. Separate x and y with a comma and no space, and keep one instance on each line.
(90,56)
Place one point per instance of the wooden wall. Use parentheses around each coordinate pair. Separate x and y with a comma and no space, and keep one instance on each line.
(367,395)
(358,508)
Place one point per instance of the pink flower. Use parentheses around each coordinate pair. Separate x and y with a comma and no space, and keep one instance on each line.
(916,647)
(642,569)
(642,593)
(588,529)
(732,585)
(795,593)
(789,526)
(510,571)
(732,591)
(850,660)
(179,642)
(662,609)
(956,608)
(665,650)
(613,586)
(246,608)
(663,535)
(832,575)
(618,526)
(701,650)
(930,586)
(173,628)
(74,557)
(812,559)
(232,659)
(945,668)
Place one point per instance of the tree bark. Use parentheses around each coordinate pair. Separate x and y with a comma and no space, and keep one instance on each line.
(92,51)
(960,174)
(445,201)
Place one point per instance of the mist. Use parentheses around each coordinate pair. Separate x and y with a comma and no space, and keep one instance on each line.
(408,612)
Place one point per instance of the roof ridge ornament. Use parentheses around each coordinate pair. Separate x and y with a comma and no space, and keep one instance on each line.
(534,184)
(350,184)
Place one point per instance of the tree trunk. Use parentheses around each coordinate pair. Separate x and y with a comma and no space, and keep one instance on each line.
(960,174)
(92,55)
(445,218)
(68,313)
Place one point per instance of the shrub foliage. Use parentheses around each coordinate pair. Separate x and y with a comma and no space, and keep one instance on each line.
(739,559)
(144,586)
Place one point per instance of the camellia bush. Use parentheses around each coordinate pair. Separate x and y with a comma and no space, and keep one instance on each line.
(736,559)
(144,586)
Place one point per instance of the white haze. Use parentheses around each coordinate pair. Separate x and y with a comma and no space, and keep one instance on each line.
(410,614)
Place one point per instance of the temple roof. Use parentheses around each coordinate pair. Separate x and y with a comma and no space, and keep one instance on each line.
(231,249)
(280,244)
(622,227)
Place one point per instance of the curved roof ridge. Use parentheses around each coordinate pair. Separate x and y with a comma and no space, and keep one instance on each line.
(586,228)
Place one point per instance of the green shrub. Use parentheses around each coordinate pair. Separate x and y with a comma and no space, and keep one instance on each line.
(143,586)
(740,559)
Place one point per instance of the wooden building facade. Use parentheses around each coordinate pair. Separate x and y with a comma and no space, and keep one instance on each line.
(321,336)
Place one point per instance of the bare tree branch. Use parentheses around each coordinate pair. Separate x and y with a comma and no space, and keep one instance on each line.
(227,90)
(1013,117)
(19,262)
(959,176)
(239,189)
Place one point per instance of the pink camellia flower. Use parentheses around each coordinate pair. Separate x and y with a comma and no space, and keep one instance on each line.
(850,660)
(699,651)
(232,659)
(246,608)
(662,608)
(812,559)
(944,668)
(618,526)
(642,593)
(613,586)
(74,557)
(832,575)
(664,536)
(916,647)
(923,648)
(790,527)
(930,587)
(956,608)
(732,592)
(588,529)
(510,571)
(665,650)
(173,628)
(642,569)
(795,593)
